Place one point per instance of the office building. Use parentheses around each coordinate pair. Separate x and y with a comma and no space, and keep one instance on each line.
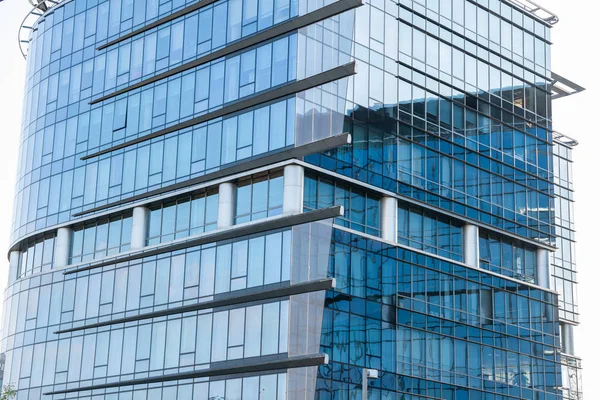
(283,199)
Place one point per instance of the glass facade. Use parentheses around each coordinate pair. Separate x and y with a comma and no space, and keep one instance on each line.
(260,199)
(100,239)
(361,209)
(507,258)
(183,217)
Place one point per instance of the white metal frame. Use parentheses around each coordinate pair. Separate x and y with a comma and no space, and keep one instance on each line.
(533,8)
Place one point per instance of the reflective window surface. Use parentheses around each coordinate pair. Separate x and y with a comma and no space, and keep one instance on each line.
(64,127)
(250,387)
(197,274)
(402,312)
(449,110)
(188,94)
(259,197)
(187,216)
(564,271)
(197,34)
(361,209)
(177,343)
(507,257)
(36,256)
(442,327)
(203,149)
(430,232)
(488,138)
(100,239)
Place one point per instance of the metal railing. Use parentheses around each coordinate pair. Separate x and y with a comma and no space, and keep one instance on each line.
(564,139)
(26,28)
(540,12)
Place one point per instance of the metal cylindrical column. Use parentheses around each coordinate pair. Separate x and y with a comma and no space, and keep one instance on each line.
(62,247)
(471,245)
(566,338)
(293,189)
(13,268)
(543,268)
(389,219)
(139,227)
(226,210)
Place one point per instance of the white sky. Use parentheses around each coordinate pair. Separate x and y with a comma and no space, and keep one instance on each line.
(575,56)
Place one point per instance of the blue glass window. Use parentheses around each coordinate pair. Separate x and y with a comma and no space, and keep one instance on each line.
(37,255)
(444,321)
(259,197)
(428,231)
(507,257)
(187,216)
(361,209)
(100,239)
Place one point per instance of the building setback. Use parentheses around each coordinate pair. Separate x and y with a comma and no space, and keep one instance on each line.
(283,199)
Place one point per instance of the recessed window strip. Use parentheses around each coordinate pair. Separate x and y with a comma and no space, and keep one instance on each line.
(423,205)
(235,171)
(187,190)
(438,257)
(223,234)
(322,78)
